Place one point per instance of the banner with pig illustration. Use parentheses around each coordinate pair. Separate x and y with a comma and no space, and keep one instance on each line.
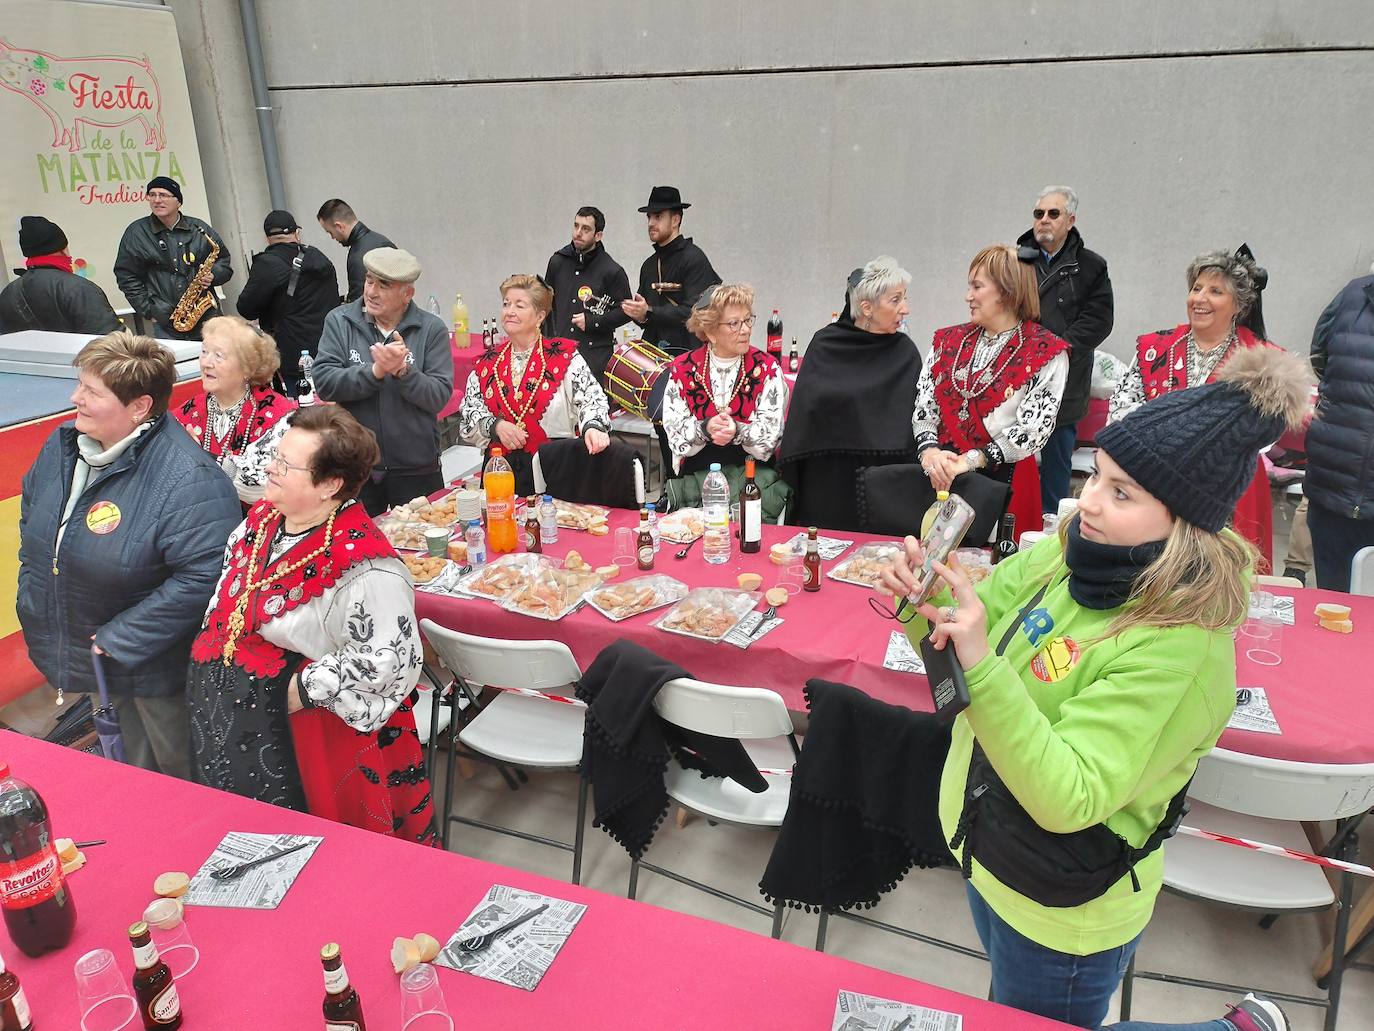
(93,102)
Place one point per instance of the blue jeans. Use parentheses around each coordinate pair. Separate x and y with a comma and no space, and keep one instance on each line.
(1056,464)
(1073,989)
(1335,539)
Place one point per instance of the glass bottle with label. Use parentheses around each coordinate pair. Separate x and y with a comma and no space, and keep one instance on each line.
(793,360)
(533,542)
(14,1008)
(343,1010)
(812,562)
(156,991)
(750,512)
(1006,539)
(644,542)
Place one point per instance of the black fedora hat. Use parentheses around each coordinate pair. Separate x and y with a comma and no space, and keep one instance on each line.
(664,198)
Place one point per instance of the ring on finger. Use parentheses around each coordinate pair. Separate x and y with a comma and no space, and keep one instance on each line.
(950,613)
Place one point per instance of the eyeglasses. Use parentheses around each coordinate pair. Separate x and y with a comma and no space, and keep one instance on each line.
(277,464)
(735,325)
(1052,213)
(159,195)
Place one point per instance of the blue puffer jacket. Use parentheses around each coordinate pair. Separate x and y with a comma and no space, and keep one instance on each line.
(1340,441)
(141,587)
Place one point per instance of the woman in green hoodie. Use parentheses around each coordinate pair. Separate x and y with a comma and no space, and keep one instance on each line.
(1101,668)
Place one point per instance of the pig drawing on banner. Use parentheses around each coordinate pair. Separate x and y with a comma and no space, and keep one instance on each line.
(78,93)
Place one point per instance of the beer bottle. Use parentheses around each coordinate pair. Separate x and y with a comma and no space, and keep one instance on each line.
(156,992)
(343,1010)
(14,1008)
(750,511)
(793,361)
(532,542)
(1006,539)
(644,544)
(812,562)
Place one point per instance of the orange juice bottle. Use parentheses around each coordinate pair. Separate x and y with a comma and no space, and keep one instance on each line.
(498,481)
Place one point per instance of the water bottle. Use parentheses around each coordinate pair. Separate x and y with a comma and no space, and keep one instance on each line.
(477,544)
(548,521)
(715,509)
(653,526)
(306,395)
(433,307)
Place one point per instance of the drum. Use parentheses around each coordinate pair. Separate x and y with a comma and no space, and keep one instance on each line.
(631,374)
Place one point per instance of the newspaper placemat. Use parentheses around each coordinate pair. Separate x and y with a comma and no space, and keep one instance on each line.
(855,1011)
(1253,712)
(1278,605)
(742,636)
(262,887)
(446,583)
(827,547)
(522,956)
(901,656)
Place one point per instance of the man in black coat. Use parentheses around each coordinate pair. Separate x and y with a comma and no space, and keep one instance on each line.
(291,288)
(47,294)
(588,286)
(1075,305)
(672,278)
(1340,442)
(338,220)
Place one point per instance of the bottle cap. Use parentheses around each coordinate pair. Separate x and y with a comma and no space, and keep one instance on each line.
(942,495)
(330,951)
(548,497)
(715,467)
(497,452)
(476,522)
(649,507)
(138,930)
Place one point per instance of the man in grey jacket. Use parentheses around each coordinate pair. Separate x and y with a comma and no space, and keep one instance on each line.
(389,363)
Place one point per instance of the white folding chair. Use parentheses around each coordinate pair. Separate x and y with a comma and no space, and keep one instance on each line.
(759,719)
(1269,580)
(540,487)
(1362,572)
(514,729)
(1261,799)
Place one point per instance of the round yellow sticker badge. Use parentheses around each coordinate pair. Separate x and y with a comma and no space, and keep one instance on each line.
(103,517)
(1055,660)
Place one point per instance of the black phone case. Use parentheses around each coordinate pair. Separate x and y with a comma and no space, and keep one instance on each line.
(948,689)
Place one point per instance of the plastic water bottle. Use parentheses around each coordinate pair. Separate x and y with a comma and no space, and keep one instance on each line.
(653,526)
(548,520)
(433,306)
(306,395)
(715,509)
(477,544)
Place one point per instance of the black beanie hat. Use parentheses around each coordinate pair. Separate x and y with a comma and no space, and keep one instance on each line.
(1195,449)
(38,236)
(163,182)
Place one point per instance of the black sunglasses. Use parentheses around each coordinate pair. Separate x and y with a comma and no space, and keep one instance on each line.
(1040,213)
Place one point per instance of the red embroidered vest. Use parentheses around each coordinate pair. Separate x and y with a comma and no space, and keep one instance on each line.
(354,538)
(692,374)
(961,421)
(1162,357)
(262,409)
(543,376)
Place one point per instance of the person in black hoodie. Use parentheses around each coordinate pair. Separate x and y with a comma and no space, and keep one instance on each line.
(1075,305)
(672,278)
(588,286)
(291,288)
(46,293)
(337,219)
(851,407)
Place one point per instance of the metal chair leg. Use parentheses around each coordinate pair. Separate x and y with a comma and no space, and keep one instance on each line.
(581,829)
(634,879)
(777,920)
(1333,988)
(1127,987)
(821,925)
(452,775)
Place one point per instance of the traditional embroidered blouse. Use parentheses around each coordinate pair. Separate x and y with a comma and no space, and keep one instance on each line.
(1167,360)
(758,406)
(225,433)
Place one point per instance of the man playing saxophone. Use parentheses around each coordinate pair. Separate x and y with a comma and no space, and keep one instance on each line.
(169,264)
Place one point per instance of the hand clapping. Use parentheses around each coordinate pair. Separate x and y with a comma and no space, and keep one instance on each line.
(389,358)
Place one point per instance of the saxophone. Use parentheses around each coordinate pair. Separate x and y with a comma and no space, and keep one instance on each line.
(197,300)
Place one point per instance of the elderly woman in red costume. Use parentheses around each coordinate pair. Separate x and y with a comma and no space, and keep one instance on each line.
(526,389)
(1224,317)
(237,406)
(303,674)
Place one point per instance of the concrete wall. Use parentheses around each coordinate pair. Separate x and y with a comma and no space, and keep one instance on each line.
(811,137)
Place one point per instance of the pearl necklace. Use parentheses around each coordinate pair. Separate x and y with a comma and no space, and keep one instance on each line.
(710,389)
(974,385)
(213,411)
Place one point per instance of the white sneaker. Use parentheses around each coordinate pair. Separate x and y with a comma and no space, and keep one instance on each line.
(1253,1013)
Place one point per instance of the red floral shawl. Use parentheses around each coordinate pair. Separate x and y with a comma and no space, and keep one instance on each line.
(1163,358)
(262,409)
(691,372)
(494,378)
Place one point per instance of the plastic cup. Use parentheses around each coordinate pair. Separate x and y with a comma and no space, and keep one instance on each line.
(792,578)
(166,919)
(436,540)
(422,1001)
(624,547)
(102,995)
(1263,639)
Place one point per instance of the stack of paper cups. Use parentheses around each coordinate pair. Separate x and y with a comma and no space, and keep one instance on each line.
(469,504)
(1068,508)
(1031,538)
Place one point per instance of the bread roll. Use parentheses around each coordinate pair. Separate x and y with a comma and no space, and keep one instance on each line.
(1328,610)
(172,885)
(428,946)
(749,581)
(1340,626)
(404,955)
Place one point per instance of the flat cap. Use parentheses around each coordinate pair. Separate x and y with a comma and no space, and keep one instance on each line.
(392,264)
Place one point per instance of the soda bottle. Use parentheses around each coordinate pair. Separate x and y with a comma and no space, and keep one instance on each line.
(548,520)
(39,912)
(812,562)
(928,520)
(652,509)
(343,1010)
(154,988)
(477,544)
(460,321)
(534,543)
(715,510)
(498,483)
(306,395)
(1006,539)
(793,361)
(750,512)
(775,335)
(14,1008)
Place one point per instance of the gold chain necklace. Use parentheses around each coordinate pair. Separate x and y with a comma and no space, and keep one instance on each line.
(237,618)
(711,391)
(538,349)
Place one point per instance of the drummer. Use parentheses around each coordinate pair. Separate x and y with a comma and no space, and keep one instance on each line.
(527,389)
(724,402)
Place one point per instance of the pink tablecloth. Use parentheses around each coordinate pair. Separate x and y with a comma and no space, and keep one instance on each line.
(464,361)
(627,964)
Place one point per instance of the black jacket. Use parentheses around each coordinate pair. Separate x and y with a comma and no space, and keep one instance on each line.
(48,298)
(685,264)
(1340,441)
(569,271)
(295,321)
(152,269)
(359,242)
(141,587)
(1075,305)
